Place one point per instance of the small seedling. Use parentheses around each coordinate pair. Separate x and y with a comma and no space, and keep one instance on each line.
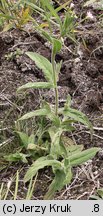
(10,56)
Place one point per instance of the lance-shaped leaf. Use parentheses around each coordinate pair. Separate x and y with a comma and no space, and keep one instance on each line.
(40,164)
(47,5)
(16,157)
(23,137)
(40,112)
(68,24)
(68,102)
(81,157)
(56,185)
(62,177)
(31,139)
(46,36)
(57,45)
(63,6)
(55,136)
(42,63)
(68,176)
(77,116)
(58,68)
(55,119)
(35,85)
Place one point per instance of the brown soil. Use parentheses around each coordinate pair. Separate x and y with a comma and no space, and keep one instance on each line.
(81,76)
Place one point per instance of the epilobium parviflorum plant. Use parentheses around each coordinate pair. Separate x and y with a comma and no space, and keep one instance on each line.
(49,143)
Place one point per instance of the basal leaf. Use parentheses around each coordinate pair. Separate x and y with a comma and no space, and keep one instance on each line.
(40,112)
(81,157)
(35,85)
(40,164)
(16,157)
(56,185)
(42,63)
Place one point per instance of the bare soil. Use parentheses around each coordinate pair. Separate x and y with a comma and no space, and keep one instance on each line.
(81,76)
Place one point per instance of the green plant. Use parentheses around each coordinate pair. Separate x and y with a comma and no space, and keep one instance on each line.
(13,14)
(10,56)
(50,143)
(51,19)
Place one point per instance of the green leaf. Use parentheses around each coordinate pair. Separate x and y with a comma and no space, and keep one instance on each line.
(63,6)
(68,24)
(35,85)
(47,5)
(68,102)
(40,164)
(31,139)
(81,157)
(68,176)
(55,136)
(58,68)
(56,185)
(16,157)
(40,112)
(55,119)
(46,36)
(8,27)
(74,149)
(57,45)
(23,138)
(77,116)
(46,106)
(34,6)
(66,125)
(7,17)
(43,64)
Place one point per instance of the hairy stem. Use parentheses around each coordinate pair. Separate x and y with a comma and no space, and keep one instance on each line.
(55,83)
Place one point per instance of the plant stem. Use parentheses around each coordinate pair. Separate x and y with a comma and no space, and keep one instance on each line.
(55,82)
